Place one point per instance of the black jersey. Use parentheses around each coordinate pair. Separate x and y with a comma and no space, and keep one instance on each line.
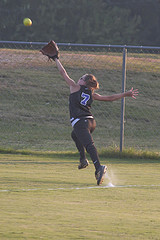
(80,103)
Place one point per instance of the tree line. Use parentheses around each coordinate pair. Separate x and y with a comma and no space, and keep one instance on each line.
(133,22)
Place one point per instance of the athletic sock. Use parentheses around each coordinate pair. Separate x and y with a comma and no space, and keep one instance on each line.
(91,149)
(97,164)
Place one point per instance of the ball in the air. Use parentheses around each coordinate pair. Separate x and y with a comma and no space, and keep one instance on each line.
(27,22)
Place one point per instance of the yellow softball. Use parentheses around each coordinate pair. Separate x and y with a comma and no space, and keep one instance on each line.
(27,22)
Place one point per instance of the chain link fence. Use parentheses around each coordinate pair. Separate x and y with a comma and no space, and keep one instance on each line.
(34,98)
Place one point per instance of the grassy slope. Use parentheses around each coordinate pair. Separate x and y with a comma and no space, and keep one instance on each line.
(42,202)
(35,116)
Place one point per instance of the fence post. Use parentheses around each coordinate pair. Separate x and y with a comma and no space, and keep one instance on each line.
(123,99)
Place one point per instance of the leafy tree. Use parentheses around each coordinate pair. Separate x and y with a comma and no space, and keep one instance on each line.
(82,21)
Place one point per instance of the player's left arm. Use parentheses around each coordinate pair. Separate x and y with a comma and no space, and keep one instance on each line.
(64,73)
(131,93)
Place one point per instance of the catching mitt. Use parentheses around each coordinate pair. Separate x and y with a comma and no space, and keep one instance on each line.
(51,50)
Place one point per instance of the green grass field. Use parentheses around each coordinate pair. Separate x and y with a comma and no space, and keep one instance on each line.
(47,197)
(42,193)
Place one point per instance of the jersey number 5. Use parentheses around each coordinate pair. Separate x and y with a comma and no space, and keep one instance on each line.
(85,99)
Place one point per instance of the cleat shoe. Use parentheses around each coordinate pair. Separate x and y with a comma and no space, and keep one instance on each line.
(83,164)
(99,175)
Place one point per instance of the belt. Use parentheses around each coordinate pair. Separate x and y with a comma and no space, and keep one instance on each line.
(75,120)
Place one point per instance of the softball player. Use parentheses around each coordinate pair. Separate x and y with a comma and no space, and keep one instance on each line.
(81,96)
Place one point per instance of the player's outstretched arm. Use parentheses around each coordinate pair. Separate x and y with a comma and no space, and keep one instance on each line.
(64,74)
(51,50)
(131,93)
